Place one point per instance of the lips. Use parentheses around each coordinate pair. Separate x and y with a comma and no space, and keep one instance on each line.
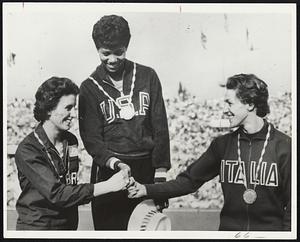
(113,67)
(68,121)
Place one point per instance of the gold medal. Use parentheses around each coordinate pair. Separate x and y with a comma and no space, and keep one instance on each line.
(249,196)
(127,112)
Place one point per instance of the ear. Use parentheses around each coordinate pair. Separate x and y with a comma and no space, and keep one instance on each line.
(251,107)
(49,113)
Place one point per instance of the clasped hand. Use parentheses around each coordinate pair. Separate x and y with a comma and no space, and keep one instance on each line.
(135,189)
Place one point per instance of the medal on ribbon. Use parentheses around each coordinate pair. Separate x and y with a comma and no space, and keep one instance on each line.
(250,195)
(126,110)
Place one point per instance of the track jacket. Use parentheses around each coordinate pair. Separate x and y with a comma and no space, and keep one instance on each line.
(105,134)
(50,194)
(272,208)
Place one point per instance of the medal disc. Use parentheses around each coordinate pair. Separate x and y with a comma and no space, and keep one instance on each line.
(249,196)
(127,112)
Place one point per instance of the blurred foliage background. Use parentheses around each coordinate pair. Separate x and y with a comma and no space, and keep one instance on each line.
(191,131)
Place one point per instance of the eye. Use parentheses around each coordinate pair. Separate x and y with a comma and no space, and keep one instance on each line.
(106,53)
(119,52)
(69,107)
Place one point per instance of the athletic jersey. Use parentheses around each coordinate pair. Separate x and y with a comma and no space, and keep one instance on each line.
(272,208)
(50,195)
(105,134)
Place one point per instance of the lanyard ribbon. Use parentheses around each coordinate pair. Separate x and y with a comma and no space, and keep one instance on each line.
(131,89)
(50,157)
(259,161)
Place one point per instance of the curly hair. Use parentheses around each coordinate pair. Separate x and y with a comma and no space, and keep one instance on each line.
(49,94)
(251,90)
(111,31)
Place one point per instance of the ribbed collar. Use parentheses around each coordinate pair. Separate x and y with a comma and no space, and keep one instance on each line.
(260,135)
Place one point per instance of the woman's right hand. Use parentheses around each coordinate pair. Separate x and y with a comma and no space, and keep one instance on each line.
(118,181)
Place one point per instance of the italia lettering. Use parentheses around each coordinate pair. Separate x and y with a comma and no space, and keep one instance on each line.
(263,173)
(232,172)
(222,171)
(253,173)
(239,178)
(231,164)
(272,178)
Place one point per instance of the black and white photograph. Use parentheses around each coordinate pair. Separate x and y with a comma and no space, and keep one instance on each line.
(149,120)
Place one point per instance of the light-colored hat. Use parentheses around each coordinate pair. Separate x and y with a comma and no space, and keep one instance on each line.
(145,216)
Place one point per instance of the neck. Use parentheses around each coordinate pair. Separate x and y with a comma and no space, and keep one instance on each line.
(253,125)
(52,132)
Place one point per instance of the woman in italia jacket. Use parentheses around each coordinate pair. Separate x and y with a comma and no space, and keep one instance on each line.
(272,208)
(253,163)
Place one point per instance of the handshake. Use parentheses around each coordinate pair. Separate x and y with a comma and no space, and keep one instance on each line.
(123,180)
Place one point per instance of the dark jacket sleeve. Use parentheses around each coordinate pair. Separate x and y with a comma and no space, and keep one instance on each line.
(91,125)
(159,122)
(199,172)
(36,168)
(284,153)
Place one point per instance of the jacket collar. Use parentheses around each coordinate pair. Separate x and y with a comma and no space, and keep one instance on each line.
(43,136)
(260,135)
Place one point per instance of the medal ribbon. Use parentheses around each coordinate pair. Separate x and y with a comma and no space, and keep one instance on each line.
(259,161)
(131,89)
(48,153)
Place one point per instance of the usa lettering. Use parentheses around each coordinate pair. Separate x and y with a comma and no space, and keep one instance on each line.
(232,172)
(110,112)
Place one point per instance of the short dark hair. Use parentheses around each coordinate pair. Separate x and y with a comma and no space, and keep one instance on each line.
(49,94)
(111,31)
(251,90)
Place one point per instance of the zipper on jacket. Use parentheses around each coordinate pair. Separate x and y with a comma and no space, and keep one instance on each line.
(56,153)
(61,159)
(248,166)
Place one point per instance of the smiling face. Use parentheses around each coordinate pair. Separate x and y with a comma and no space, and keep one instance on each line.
(236,111)
(113,59)
(61,116)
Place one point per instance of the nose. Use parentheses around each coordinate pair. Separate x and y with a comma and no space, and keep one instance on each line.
(226,111)
(73,113)
(112,59)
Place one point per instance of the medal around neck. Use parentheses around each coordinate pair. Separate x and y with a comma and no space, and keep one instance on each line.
(127,112)
(249,196)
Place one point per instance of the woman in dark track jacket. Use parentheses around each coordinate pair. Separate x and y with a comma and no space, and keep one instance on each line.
(123,122)
(47,162)
(253,162)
